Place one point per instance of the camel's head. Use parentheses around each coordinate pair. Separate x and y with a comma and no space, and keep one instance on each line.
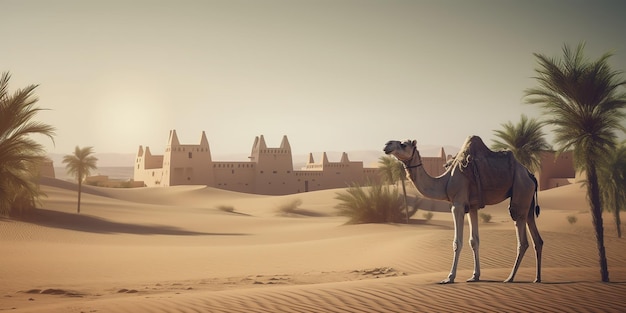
(403,151)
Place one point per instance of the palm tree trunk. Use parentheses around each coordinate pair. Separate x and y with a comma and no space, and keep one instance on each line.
(80,189)
(79,178)
(618,223)
(618,220)
(406,206)
(596,214)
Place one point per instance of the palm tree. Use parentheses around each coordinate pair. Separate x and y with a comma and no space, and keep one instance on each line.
(526,141)
(80,164)
(580,99)
(20,155)
(612,179)
(393,171)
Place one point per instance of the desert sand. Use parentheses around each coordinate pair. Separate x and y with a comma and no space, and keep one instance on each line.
(173,250)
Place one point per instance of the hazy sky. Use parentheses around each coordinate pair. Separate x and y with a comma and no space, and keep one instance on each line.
(331,75)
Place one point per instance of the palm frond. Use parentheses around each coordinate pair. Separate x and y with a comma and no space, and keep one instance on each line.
(20,156)
(80,163)
(525,139)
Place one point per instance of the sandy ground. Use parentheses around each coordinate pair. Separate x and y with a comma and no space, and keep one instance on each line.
(173,250)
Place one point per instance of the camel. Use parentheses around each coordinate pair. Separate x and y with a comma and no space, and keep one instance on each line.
(474,178)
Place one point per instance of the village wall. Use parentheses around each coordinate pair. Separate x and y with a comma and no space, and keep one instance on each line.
(46,169)
(235,176)
(556,170)
(270,169)
(435,166)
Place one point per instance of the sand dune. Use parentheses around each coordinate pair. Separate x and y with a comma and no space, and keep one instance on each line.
(174,250)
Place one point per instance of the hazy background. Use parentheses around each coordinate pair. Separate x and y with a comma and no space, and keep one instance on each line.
(332,75)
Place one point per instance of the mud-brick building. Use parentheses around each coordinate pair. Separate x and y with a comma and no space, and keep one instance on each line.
(269,171)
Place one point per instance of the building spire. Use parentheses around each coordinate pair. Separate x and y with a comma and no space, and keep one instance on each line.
(262,144)
(173,141)
(344,158)
(255,144)
(311,161)
(285,143)
(203,141)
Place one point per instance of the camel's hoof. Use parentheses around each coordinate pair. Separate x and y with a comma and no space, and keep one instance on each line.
(446,281)
(473,280)
(508,280)
(538,280)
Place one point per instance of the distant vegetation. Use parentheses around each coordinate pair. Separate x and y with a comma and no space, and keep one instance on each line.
(484,217)
(226,208)
(80,164)
(291,207)
(428,216)
(572,219)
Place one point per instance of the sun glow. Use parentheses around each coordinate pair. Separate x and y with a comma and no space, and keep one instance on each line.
(123,119)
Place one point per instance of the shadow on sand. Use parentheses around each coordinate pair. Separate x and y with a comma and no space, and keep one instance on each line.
(530,282)
(581,281)
(437,224)
(93,224)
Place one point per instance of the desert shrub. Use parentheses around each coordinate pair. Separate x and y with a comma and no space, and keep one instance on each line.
(428,216)
(572,219)
(290,207)
(373,204)
(226,208)
(484,217)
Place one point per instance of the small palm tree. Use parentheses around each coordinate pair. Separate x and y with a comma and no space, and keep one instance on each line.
(393,171)
(526,141)
(581,100)
(80,164)
(612,179)
(20,155)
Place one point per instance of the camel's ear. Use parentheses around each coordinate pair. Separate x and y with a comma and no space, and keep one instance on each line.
(414,143)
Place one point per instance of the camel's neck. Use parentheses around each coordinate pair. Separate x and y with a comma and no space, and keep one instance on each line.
(428,186)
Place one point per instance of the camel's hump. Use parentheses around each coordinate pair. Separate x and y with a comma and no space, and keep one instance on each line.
(474,149)
(474,144)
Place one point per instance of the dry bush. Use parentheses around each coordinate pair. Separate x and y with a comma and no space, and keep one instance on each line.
(290,207)
(484,217)
(572,219)
(373,204)
(428,216)
(226,208)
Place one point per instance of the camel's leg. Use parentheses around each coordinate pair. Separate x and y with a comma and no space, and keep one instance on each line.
(474,242)
(458,215)
(522,245)
(537,242)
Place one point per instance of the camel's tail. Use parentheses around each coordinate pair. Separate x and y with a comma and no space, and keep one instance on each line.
(536,197)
